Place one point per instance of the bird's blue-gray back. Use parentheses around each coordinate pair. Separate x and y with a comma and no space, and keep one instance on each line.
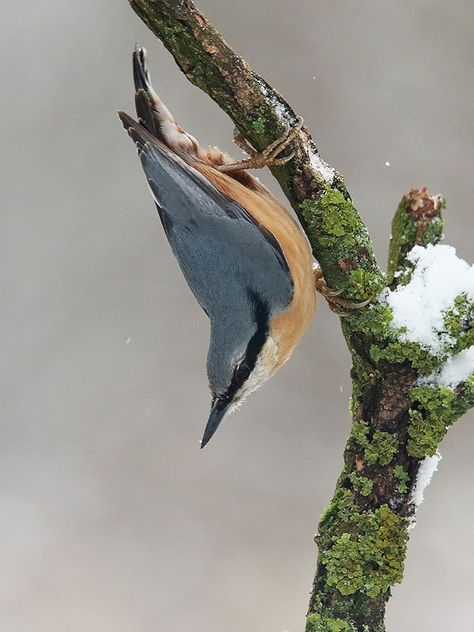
(223,254)
(232,265)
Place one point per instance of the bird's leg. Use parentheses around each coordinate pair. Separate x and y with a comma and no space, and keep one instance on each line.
(266,158)
(332,296)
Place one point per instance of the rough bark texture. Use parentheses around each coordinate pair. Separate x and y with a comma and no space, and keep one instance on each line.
(397,422)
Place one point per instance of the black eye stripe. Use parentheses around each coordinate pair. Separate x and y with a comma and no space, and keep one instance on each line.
(256,342)
(242,372)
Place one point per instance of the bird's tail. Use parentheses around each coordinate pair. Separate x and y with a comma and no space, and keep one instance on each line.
(140,134)
(153,113)
(141,75)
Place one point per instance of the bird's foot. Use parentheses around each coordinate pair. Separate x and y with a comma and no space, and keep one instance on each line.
(269,156)
(333,298)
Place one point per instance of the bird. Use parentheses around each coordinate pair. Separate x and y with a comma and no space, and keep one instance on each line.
(244,257)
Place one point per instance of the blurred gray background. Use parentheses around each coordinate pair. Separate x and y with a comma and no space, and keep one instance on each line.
(111,518)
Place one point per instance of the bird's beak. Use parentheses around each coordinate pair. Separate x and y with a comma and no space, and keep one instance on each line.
(218,411)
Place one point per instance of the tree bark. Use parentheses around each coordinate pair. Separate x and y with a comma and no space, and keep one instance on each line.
(397,421)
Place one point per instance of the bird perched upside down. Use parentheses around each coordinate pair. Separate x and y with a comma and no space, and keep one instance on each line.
(244,257)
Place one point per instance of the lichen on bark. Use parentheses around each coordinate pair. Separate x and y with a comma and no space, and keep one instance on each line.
(341,244)
(417,221)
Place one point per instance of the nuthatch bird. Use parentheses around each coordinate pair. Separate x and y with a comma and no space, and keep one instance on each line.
(244,257)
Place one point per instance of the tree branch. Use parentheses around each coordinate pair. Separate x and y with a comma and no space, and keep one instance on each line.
(403,400)
(418,221)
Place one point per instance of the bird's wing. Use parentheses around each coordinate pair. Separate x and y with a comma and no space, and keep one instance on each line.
(221,250)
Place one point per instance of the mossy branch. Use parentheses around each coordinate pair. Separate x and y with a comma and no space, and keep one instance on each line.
(400,409)
(418,221)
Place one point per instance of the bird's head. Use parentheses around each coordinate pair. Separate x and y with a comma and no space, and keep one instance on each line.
(242,356)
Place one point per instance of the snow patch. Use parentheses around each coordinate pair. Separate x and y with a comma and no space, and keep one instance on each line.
(439,276)
(323,169)
(275,102)
(454,371)
(428,467)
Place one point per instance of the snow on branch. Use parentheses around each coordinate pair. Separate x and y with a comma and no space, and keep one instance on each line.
(428,467)
(439,293)
(455,371)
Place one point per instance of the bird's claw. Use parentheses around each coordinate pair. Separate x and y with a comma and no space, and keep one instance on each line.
(269,156)
(333,298)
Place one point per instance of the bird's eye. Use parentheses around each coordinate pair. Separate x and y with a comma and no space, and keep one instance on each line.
(242,372)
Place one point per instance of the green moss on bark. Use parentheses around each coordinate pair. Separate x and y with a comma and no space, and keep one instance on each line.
(433,411)
(387,344)
(382,448)
(341,242)
(320,623)
(459,324)
(359,433)
(378,448)
(417,221)
(402,477)
(361,483)
(362,552)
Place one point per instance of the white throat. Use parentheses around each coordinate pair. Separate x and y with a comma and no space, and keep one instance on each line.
(264,368)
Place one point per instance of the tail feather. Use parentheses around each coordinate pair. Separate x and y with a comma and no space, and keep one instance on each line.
(136,131)
(145,112)
(147,143)
(141,76)
(140,135)
(147,103)
(154,114)
(157,120)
